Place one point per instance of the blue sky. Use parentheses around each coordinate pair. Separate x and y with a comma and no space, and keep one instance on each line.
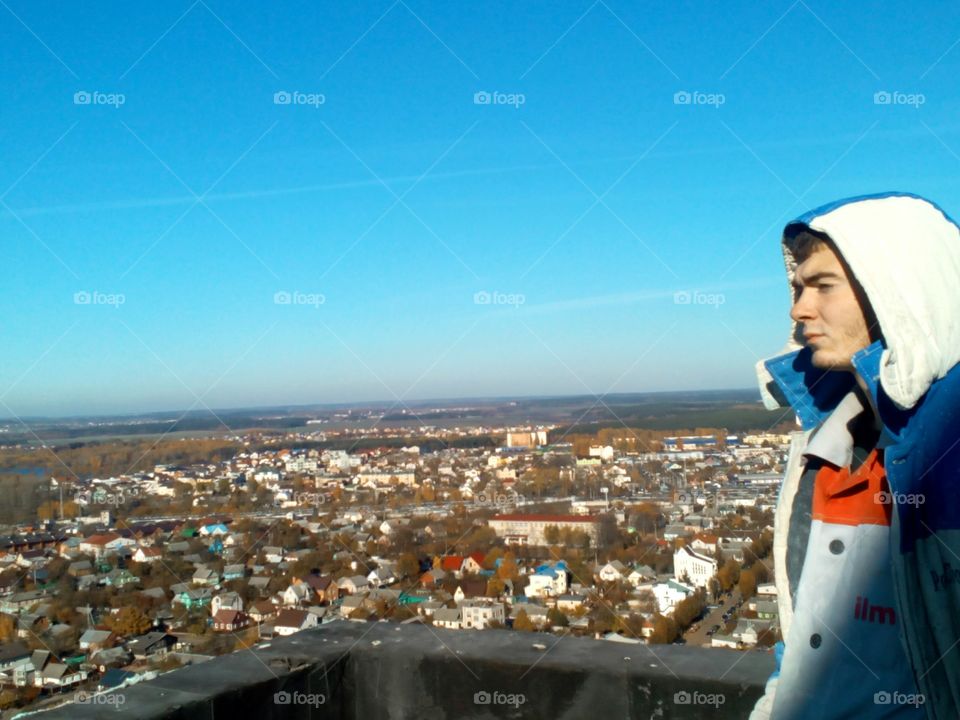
(154,224)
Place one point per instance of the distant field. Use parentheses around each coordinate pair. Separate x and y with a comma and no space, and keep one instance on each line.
(737,410)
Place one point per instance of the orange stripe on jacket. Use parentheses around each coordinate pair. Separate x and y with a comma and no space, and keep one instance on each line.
(853,499)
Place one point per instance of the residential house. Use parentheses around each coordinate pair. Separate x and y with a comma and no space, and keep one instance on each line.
(547,580)
(612,571)
(353,585)
(480,614)
(234,572)
(94,640)
(151,645)
(325,588)
(148,554)
(292,620)
(226,601)
(261,611)
(350,604)
(298,593)
(198,597)
(230,620)
(447,618)
(205,576)
(59,675)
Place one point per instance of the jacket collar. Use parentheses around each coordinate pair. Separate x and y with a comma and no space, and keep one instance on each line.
(814,393)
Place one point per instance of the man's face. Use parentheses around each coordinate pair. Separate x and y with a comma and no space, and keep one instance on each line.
(826,306)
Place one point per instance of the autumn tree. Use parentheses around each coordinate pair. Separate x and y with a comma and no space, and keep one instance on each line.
(129,621)
(522,622)
(508,569)
(8,628)
(729,574)
(665,630)
(408,565)
(748,583)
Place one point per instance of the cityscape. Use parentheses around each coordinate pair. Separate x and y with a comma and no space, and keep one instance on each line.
(622,535)
(406,359)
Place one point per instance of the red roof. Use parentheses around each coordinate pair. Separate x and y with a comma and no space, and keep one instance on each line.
(227,617)
(537,517)
(451,563)
(291,617)
(478,557)
(101,539)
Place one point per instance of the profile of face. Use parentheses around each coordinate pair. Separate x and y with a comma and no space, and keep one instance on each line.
(832,320)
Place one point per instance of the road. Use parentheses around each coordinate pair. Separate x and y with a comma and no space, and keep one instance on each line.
(713,617)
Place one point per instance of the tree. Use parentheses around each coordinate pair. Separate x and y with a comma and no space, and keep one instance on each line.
(748,583)
(495,587)
(556,618)
(408,565)
(508,569)
(665,630)
(551,533)
(729,574)
(8,628)
(607,534)
(129,621)
(522,622)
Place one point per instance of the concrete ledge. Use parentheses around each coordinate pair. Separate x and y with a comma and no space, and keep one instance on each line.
(384,671)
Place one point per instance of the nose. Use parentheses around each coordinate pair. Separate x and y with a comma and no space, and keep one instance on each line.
(802,310)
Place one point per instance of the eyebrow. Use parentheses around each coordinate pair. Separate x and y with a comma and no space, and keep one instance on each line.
(817,277)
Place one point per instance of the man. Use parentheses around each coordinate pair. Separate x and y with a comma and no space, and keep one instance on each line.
(867,537)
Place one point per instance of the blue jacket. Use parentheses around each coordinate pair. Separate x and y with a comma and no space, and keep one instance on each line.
(922,457)
(905,252)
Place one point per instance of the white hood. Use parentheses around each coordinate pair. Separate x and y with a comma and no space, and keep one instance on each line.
(905,253)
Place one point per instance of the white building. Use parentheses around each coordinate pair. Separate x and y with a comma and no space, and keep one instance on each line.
(528,529)
(698,568)
(479,613)
(670,593)
(548,580)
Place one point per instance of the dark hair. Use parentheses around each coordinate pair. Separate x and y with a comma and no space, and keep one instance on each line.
(806,242)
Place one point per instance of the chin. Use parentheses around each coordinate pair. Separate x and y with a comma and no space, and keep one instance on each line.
(823,360)
(829,361)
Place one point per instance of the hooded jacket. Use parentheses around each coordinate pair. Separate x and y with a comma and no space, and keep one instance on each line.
(904,252)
